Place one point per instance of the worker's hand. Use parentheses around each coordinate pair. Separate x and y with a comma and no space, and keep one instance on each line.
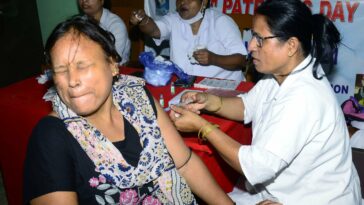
(204,56)
(185,120)
(137,16)
(194,101)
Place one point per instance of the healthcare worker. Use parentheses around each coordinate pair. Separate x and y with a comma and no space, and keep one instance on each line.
(300,151)
(203,41)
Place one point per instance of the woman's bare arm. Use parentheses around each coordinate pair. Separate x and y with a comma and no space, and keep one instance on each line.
(56,198)
(193,170)
(227,147)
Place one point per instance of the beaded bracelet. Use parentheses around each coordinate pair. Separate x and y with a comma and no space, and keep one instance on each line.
(205,130)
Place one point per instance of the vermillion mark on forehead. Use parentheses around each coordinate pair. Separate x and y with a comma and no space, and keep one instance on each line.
(74,45)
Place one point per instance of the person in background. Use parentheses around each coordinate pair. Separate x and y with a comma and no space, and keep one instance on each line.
(359,91)
(107,140)
(300,151)
(110,22)
(356,127)
(203,42)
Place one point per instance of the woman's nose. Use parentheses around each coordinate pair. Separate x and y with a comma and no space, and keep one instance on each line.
(73,78)
(252,45)
(182,2)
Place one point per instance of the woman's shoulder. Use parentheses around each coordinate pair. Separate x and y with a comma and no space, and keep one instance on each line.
(50,119)
(218,17)
(49,164)
(109,14)
(49,130)
(109,17)
(49,122)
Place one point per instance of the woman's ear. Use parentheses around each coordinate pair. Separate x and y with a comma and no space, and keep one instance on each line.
(293,46)
(114,66)
(115,69)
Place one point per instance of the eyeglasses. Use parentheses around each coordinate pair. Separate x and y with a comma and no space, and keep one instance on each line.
(260,39)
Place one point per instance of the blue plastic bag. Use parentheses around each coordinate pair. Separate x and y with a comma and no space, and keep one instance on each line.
(158,71)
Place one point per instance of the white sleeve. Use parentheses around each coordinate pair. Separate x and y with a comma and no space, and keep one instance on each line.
(165,26)
(294,120)
(116,26)
(250,100)
(258,164)
(230,36)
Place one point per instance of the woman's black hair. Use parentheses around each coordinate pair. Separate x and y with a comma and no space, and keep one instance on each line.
(87,27)
(208,4)
(317,34)
(107,4)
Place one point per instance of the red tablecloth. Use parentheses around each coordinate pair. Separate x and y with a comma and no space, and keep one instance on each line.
(222,172)
(22,106)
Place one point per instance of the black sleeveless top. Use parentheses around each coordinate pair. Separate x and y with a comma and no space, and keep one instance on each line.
(56,162)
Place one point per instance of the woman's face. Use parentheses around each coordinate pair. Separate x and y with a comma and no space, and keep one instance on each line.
(82,74)
(189,8)
(271,56)
(91,7)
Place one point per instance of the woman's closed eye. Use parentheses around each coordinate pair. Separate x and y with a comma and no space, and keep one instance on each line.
(60,69)
(83,66)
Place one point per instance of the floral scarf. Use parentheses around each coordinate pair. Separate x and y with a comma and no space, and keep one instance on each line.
(155,164)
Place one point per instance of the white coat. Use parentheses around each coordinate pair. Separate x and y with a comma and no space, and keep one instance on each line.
(218,33)
(113,23)
(300,152)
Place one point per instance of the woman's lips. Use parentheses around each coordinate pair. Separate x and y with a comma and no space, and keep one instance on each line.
(85,6)
(78,95)
(183,9)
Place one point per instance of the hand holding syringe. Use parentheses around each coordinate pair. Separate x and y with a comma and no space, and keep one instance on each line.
(182,104)
(193,101)
(186,113)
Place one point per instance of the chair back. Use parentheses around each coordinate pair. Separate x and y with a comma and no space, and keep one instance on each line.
(243,21)
(123,9)
(358,159)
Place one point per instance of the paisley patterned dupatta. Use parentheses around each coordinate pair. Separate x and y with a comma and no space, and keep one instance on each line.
(155,163)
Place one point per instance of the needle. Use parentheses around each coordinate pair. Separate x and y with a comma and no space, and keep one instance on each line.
(188,101)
